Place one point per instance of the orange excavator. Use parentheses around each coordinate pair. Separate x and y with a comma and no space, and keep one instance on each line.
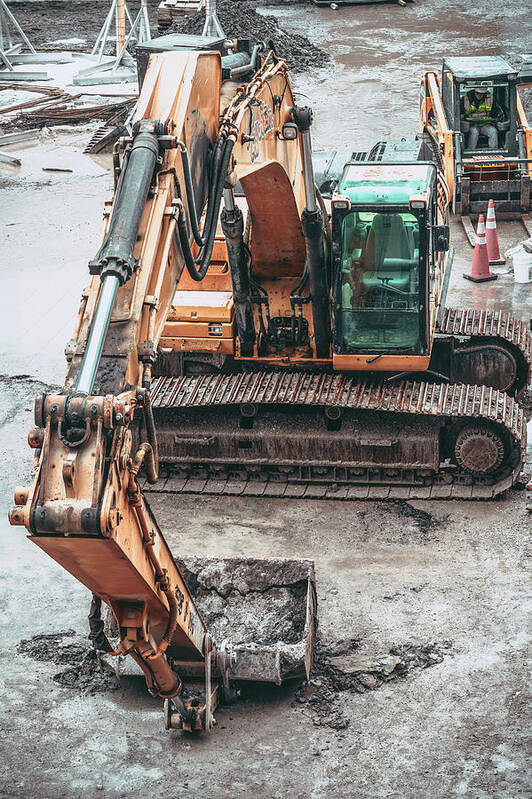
(485,149)
(84,507)
(289,341)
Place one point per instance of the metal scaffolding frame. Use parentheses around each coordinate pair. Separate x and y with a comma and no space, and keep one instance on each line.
(212,25)
(121,67)
(10,50)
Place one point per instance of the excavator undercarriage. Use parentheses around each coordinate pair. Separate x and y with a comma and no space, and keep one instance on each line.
(292,433)
(250,434)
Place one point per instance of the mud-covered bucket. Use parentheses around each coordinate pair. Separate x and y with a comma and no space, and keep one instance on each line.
(522,266)
(261,611)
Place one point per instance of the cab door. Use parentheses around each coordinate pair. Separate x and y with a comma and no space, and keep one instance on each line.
(448,94)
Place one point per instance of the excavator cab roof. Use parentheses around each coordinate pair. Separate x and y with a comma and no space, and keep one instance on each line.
(379,183)
(488,66)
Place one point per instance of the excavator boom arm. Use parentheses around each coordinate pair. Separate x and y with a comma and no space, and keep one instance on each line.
(85,507)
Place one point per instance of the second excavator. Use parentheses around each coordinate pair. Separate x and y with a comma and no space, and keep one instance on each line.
(474,117)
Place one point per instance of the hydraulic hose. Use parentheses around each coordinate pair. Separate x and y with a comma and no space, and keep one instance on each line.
(145,455)
(148,542)
(325,217)
(151,456)
(172,618)
(215,177)
(189,188)
(191,199)
(233,228)
(204,257)
(182,234)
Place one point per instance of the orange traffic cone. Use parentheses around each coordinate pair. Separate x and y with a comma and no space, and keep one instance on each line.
(492,240)
(480,268)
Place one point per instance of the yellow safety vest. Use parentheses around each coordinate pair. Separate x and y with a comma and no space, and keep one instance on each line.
(480,112)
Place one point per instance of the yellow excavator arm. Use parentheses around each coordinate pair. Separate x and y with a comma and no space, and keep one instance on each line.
(84,507)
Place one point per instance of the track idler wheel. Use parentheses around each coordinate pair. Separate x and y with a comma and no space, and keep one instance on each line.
(479,449)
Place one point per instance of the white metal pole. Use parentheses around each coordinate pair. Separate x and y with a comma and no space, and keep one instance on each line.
(9,15)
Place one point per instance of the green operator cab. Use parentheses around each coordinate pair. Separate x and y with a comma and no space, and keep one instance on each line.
(387,236)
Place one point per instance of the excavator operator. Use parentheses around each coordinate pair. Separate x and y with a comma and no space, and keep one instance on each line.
(481,114)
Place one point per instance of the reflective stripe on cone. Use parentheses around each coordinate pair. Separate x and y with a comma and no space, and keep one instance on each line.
(492,239)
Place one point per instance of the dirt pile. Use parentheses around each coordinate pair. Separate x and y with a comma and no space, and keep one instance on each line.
(340,667)
(85,670)
(265,619)
(424,520)
(239,20)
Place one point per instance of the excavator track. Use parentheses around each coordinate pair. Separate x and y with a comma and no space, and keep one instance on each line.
(490,324)
(410,408)
(494,327)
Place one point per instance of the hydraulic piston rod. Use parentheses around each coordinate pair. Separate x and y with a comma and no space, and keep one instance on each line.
(233,228)
(98,332)
(115,261)
(312,223)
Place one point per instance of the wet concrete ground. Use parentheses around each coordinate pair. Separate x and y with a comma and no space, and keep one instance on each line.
(379,54)
(457,576)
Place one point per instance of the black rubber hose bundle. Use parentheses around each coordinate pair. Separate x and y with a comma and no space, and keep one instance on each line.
(214,175)
(213,209)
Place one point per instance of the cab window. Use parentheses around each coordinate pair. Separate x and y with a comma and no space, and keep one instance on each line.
(380,302)
(500,114)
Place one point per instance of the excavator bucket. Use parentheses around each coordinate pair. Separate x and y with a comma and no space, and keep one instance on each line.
(261,618)
(262,615)
(262,610)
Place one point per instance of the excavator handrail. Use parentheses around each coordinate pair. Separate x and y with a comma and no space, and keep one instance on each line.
(437,104)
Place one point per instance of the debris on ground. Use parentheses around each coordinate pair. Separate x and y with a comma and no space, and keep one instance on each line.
(342,668)
(424,520)
(6,158)
(45,96)
(239,20)
(72,111)
(170,11)
(85,670)
(16,138)
(56,169)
